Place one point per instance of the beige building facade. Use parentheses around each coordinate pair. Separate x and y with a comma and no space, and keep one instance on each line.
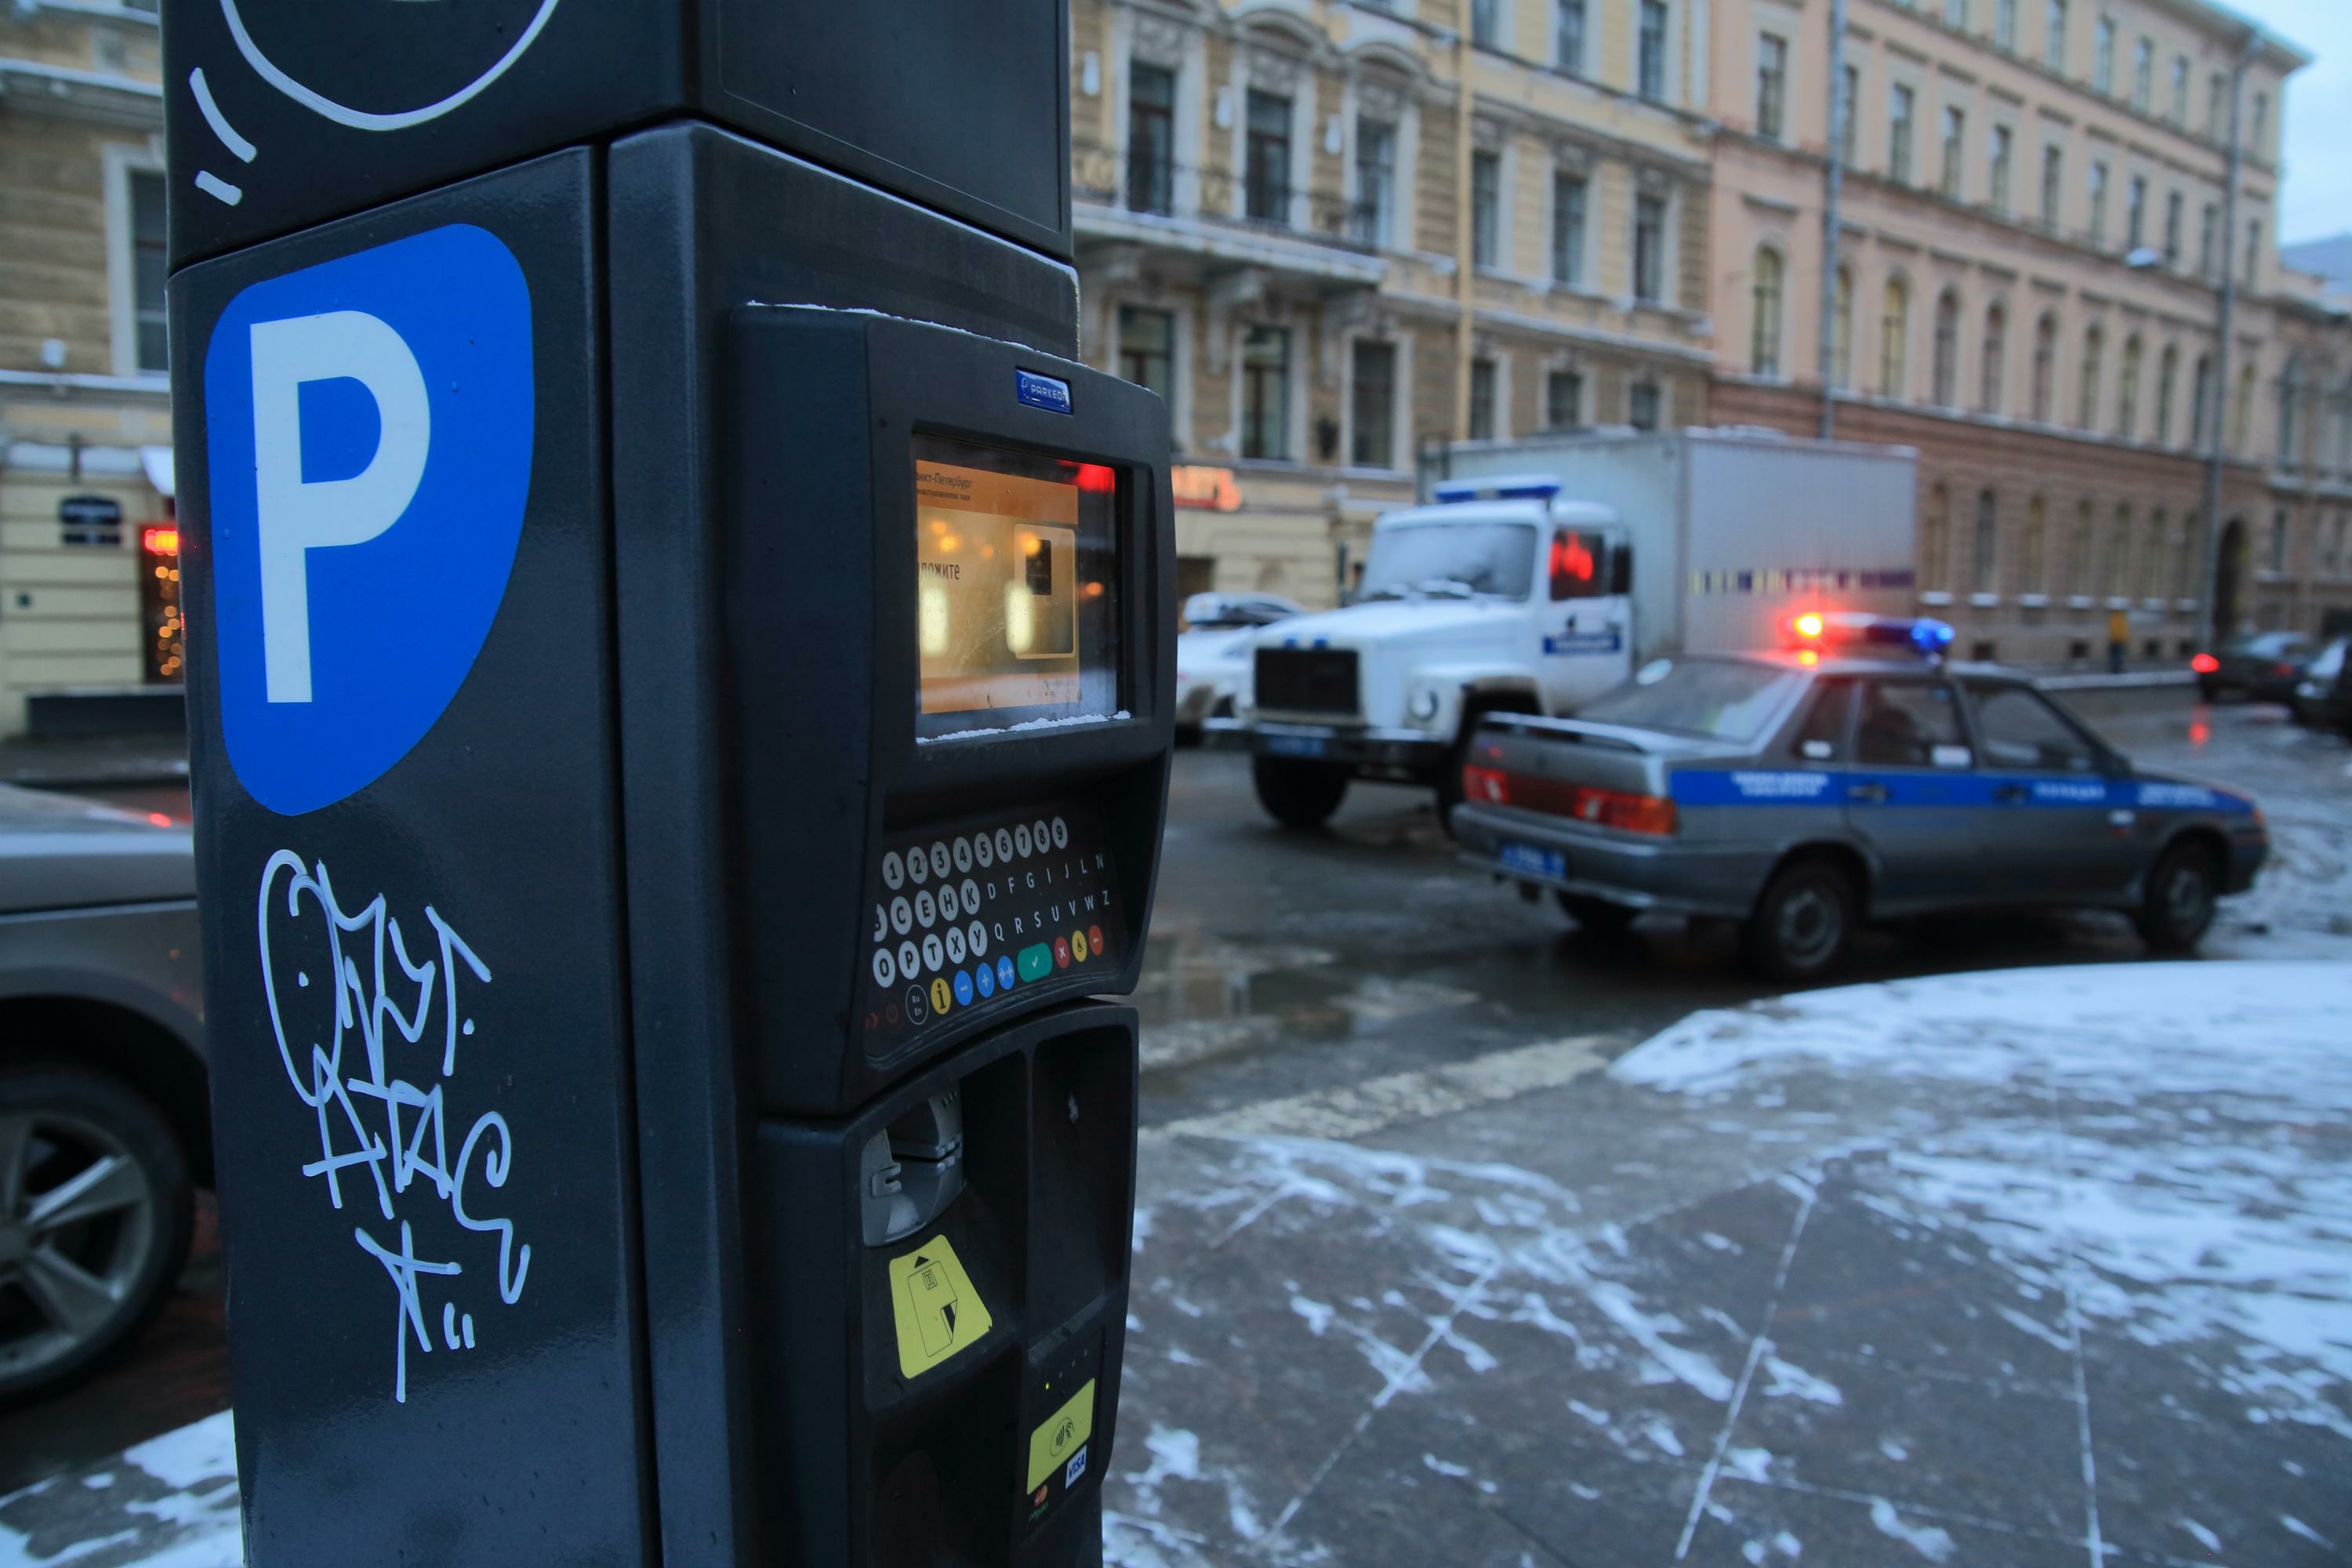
(86,606)
(2034,220)
(1333,234)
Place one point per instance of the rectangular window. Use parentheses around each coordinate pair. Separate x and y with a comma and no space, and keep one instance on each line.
(1849,131)
(2004,24)
(1956,13)
(1375,182)
(2054,35)
(1955,126)
(1485,209)
(2003,140)
(1899,113)
(2172,208)
(1482,400)
(2258,135)
(1373,406)
(2136,212)
(147,273)
(2143,74)
(2180,89)
(1649,249)
(1651,59)
(1146,349)
(2217,106)
(2054,185)
(1641,405)
(1150,137)
(2207,227)
(1569,35)
(1267,172)
(2253,248)
(1265,393)
(1564,400)
(2098,206)
(1487,22)
(1568,199)
(1771,84)
(2103,56)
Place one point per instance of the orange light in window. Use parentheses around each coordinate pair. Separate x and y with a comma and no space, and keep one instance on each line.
(163,541)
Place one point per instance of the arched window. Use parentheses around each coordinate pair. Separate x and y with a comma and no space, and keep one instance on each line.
(1944,372)
(2128,392)
(2119,552)
(2290,389)
(1894,328)
(2201,404)
(1935,537)
(2167,369)
(2045,363)
(1987,549)
(2031,548)
(1764,326)
(1996,349)
(2242,417)
(1841,333)
(2086,405)
(2078,553)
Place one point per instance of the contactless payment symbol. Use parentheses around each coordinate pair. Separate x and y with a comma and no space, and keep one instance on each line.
(369,427)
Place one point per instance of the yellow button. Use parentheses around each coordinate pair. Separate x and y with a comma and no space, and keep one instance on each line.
(940,996)
(1077,947)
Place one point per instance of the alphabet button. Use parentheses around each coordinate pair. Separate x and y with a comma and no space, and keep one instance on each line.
(955,944)
(934,952)
(885,971)
(927,909)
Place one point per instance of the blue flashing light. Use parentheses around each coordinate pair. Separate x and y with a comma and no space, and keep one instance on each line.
(1498,487)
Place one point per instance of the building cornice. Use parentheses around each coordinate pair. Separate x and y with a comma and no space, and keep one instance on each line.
(36,87)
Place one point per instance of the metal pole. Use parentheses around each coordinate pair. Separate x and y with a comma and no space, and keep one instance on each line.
(1833,184)
(2217,437)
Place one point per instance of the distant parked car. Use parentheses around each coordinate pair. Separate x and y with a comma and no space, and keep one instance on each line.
(2263,667)
(104,1127)
(1213,650)
(2323,697)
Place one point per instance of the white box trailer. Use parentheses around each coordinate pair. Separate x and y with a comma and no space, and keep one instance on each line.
(1732,531)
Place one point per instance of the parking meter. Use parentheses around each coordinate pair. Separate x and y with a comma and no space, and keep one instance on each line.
(681,681)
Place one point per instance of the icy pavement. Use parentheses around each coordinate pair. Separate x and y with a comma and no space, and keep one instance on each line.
(2048,1265)
(170,1503)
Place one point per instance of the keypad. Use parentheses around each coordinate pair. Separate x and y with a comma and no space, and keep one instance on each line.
(974,919)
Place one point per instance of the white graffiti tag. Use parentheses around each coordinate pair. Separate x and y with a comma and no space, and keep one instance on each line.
(370,1112)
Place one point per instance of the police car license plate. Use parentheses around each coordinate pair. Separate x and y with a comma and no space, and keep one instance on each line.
(1529,857)
(1294,745)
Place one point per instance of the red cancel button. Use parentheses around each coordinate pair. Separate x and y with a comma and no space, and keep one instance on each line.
(1094,940)
(1061,952)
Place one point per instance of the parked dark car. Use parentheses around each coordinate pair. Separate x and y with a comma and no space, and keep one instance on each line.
(105,1133)
(2323,697)
(2263,667)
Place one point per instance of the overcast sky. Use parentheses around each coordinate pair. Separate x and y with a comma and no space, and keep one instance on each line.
(2317,201)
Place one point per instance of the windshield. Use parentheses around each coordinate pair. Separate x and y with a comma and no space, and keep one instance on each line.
(1722,700)
(2267,645)
(1459,559)
(2330,660)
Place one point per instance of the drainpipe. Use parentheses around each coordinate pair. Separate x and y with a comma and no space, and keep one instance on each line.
(1464,296)
(1833,187)
(2214,630)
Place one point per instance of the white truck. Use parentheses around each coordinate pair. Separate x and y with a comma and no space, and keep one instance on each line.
(1539,573)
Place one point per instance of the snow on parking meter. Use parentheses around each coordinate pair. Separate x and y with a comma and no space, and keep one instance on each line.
(680,690)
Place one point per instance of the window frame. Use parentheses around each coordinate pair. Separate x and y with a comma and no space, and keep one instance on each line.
(2100,758)
(120,162)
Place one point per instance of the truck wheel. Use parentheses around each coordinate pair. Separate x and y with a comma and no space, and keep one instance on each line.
(2177,907)
(1800,926)
(96,1210)
(1597,914)
(1299,794)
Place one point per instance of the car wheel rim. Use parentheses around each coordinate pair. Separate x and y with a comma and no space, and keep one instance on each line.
(77,1224)
(1808,926)
(2185,899)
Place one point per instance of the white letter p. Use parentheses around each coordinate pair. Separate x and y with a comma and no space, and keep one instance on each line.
(296,517)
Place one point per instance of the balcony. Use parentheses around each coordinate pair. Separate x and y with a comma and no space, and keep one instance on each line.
(1221,217)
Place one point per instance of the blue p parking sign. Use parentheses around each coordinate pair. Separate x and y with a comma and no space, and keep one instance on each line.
(369,428)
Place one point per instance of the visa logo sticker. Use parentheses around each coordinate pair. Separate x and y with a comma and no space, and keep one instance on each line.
(369,425)
(1045,392)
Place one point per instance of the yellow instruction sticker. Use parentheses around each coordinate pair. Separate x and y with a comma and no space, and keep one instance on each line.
(936,1308)
(1052,1446)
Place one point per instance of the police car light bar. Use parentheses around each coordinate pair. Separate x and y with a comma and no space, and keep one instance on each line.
(1923,634)
(1498,487)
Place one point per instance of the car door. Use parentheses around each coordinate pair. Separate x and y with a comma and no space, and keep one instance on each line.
(1912,794)
(2054,827)
(1582,619)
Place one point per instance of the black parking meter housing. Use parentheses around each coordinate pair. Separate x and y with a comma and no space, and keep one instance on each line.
(592,1191)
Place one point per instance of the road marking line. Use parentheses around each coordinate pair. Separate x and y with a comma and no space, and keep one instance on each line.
(1359,1109)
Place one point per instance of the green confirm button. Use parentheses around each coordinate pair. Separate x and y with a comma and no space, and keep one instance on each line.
(1037,963)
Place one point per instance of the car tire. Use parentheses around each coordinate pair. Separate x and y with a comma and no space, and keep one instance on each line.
(1803,922)
(2176,907)
(1300,795)
(1597,914)
(58,1123)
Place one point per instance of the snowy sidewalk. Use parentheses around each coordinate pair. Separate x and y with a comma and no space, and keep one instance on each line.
(2035,1266)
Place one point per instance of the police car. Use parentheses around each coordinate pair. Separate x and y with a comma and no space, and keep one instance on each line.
(1854,775)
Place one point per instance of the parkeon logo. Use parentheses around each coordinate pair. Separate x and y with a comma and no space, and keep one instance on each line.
(369,427)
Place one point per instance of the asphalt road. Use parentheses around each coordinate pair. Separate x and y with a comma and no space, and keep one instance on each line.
(1285,964)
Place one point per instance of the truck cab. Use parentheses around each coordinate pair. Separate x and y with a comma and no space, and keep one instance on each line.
(1502,597)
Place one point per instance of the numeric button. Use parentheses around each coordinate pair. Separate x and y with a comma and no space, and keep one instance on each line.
(940,859)
(1020,839)
(1061,833)
(919,869)
(962,852)
(894,871)
(984,849)
(1038,831)
(1005,845)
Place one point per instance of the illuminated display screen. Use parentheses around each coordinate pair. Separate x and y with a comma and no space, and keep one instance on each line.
(1015,589)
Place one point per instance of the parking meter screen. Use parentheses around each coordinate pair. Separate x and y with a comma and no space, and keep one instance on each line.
(1016,588)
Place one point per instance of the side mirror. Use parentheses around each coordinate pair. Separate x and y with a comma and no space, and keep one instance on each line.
(1620,569)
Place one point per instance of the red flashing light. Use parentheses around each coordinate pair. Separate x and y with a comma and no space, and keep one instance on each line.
(161,540)
(1572,558)
(2205,664)
(1808,624)
(1098,478)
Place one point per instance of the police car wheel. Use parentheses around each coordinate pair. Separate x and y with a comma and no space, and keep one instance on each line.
(1299,794)
(1800,925)
(2177,907)
(1597,914)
